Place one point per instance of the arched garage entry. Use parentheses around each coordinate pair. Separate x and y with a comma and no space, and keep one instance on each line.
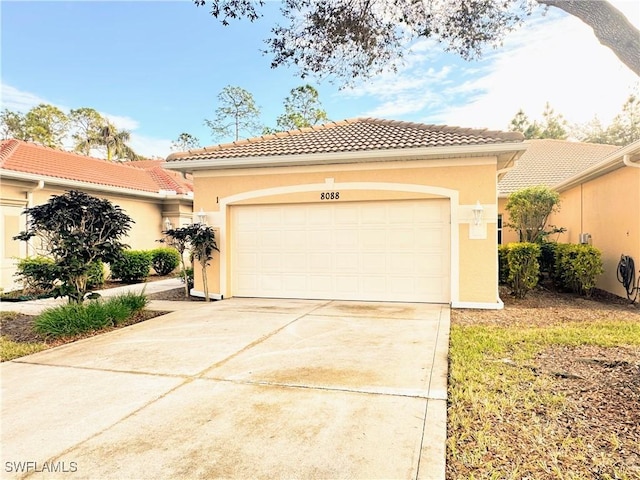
(376,250)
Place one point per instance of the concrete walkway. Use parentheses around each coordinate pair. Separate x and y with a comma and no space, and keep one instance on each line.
(34,307)
(242,388)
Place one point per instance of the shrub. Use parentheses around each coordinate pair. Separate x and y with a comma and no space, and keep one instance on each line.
(78,229)
(503,264)
(188,274)
(132,266)
(37,274)
(77,318)
(165,260)
(134,302)
(96,274)
(523,267)
(547,257)
(577,267)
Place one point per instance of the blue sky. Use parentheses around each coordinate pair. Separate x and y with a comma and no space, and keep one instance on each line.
(156,68)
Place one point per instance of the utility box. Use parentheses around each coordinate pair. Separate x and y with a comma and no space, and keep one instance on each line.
(585,238)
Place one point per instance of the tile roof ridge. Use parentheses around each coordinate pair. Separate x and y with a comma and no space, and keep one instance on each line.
(442,128)
(7,147)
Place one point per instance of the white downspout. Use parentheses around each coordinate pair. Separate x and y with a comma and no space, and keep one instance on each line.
(626,159)
(39,186)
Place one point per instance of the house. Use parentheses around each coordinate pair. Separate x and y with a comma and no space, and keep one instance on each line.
(546,162)
(601,206)
(599,188)
(361,209)
(31,174)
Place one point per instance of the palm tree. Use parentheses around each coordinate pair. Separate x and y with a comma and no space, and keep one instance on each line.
(115,141)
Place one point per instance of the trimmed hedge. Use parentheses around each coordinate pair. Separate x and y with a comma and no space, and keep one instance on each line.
(96,274)
(577,267)
(132,266)
(523,267)
(37,274)
(571,267)
(503,264)
(165,260)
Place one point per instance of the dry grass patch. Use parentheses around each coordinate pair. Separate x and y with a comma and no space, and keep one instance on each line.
(547,388)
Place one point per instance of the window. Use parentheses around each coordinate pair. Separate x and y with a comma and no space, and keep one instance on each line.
(499,229)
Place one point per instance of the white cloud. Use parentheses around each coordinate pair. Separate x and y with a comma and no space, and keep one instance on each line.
(555,58)
(123,123)
(19,101)
(558,61)
(149,146)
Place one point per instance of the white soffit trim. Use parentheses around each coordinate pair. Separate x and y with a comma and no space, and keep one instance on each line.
(394,164)
(344,157)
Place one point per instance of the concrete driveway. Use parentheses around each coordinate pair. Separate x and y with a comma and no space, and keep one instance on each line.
(243,388)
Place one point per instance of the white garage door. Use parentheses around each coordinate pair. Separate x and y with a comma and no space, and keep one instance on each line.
(378,251)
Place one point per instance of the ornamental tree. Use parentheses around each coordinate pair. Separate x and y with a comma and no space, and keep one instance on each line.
(529,209)
(200,239)
(75,230)
(203,242)
(178,238)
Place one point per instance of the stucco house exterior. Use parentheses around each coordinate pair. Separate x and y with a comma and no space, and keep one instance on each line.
(603,201)
(361,209)
(30,174)
(599,188)
(546,162)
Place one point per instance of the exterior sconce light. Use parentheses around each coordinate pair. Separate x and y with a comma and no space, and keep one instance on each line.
(477,213)
(167,224)
(202,217)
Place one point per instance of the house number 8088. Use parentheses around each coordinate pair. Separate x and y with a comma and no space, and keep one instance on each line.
(330,196)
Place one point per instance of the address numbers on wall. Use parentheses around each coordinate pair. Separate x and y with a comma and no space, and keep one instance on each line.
(330,196)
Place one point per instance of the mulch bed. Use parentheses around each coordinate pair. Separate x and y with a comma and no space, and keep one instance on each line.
(20,328)
(601,384)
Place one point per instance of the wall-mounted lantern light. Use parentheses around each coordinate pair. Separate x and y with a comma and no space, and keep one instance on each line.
(202,217)
(477,213)
(167,224)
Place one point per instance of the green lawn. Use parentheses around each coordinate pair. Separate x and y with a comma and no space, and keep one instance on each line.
(506,420)
(10,350)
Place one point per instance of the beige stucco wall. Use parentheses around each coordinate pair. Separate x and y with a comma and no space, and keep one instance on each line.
(608,208)
(464,181)
(147,213)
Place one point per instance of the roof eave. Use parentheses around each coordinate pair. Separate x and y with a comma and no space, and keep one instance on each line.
(189,166)
(610,163)
(63,182)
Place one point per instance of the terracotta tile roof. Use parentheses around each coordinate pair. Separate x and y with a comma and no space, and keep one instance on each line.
(359,134)
(25,157)
(549,162)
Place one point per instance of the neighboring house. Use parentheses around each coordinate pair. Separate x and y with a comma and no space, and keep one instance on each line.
(546,162)
(361,209)
(603,201)
(31,174)
(599,188)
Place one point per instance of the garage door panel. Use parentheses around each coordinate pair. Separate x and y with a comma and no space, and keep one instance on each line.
(403,238)
(380,251)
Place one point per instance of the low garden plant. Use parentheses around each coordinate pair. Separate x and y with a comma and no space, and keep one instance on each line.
(74,319)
